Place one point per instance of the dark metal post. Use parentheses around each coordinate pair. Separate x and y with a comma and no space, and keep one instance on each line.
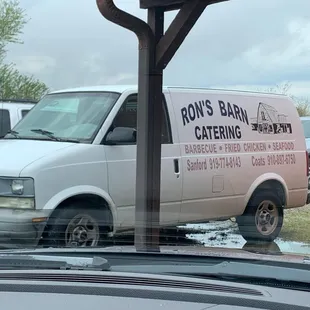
(155,52)
(149,139)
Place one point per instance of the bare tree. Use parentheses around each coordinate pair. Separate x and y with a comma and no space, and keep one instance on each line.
(302,103)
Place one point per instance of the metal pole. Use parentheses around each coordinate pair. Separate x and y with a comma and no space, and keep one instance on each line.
(149,124)
(155,52)
(149,140)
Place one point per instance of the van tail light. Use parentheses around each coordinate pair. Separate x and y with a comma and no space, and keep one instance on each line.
(307,162)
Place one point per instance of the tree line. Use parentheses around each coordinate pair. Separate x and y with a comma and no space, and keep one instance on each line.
(302,103)
(13,84)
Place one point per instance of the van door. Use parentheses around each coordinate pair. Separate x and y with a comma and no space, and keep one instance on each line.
(121,160)
(208,191)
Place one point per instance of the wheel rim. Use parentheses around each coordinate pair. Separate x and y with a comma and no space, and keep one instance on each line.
(266,217)
(82,231)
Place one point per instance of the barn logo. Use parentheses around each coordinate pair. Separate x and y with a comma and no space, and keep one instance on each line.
(270,121)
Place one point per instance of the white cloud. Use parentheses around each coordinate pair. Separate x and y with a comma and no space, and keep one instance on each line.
(34,64)
(240,42)
(299,89)
(281,53)
(121,78)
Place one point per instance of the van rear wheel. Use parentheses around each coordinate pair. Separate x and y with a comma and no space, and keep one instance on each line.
(75,225)
(263,217)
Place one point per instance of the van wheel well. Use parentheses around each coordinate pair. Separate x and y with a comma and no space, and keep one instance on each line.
(262,218)
(92,199)
(274,186)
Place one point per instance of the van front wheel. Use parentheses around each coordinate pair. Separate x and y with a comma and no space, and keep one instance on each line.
(75,226)
(263,217)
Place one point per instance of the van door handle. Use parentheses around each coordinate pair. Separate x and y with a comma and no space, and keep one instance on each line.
(176,167)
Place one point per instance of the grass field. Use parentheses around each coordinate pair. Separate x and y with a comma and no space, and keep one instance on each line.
(296,225)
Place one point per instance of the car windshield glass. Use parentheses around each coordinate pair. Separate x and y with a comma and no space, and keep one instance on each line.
(306,126)
(66,116)
(158,126)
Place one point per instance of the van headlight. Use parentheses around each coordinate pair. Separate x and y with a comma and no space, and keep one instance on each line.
(17,193)
(21,187)
(17,187)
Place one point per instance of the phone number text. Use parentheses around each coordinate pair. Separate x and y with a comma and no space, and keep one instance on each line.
(274,160)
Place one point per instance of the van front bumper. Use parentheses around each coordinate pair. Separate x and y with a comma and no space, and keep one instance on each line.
(21,228)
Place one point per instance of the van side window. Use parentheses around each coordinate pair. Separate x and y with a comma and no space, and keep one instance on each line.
(5,122)
(24,112)
(127,117)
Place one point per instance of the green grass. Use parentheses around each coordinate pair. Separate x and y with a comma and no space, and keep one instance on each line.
(296,226)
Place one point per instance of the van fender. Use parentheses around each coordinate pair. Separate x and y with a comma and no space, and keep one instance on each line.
(79,190)
(261,179)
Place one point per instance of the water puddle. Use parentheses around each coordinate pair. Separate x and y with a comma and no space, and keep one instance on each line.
(293,247)
(225,234)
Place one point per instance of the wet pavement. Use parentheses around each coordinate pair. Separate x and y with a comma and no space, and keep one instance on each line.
(222,234)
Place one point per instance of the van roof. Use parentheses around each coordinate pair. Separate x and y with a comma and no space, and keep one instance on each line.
(123,88)
(13,105)
(21,101)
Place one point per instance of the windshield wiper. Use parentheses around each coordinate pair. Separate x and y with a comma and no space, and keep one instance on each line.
(14,133)
(52,136)
(8,261)
(45,133)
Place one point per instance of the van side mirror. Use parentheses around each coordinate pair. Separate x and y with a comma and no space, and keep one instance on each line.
(121,135)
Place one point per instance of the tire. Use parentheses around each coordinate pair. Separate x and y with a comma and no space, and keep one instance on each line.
(263,217)
(76,225)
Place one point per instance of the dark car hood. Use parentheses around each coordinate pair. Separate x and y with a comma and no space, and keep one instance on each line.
(250,253)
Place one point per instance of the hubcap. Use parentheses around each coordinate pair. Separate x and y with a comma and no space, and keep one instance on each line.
(266,217)
(82,231)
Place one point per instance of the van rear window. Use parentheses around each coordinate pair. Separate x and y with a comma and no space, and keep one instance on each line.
(24,112)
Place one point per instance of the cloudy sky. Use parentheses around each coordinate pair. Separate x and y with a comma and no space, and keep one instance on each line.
(238,44)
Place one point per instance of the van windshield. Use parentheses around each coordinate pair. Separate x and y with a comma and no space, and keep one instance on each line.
(66,116)
(306,126)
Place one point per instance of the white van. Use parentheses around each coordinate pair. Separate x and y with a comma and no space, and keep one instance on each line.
(71,163)
(305,121)
(11,112)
